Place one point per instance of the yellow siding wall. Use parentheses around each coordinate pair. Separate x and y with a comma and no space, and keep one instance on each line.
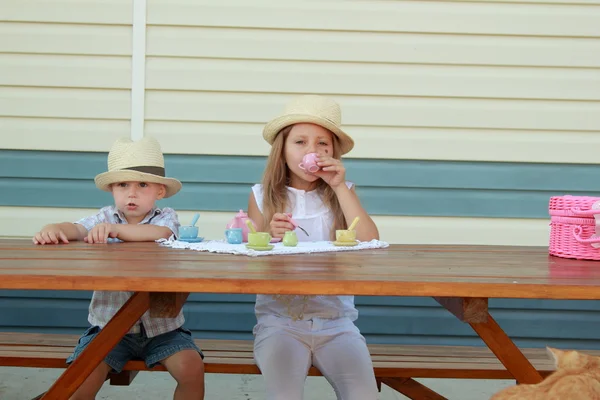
(25,221)
(65,72)
(502,80)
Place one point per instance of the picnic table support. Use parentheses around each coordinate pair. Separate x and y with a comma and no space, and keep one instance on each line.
(506,351)
(166,304)
(99,348)
(474,311)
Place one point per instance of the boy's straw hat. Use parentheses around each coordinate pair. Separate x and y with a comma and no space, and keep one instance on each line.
(140,161)
(312,109)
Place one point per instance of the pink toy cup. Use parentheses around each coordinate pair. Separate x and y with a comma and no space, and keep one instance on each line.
(309,163)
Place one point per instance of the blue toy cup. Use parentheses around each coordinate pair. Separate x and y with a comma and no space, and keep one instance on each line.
(234,235)
(188,232)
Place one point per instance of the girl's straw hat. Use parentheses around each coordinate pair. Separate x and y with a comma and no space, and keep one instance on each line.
(312,109)
(140,161)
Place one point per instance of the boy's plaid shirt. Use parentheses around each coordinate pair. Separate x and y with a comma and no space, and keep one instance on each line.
(105,305)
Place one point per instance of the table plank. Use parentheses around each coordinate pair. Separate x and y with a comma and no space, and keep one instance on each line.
(400,270)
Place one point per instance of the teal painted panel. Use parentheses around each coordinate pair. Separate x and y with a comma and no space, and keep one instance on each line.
(407,320)
(577,305)
(231,197)
(365,172)
(386,187)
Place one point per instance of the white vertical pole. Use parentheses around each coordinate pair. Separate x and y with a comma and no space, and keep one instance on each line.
(138,69)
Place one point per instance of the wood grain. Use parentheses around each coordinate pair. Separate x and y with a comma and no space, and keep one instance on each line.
(400,270)
(466,309)
(506,351)
(236,356)
(166,305)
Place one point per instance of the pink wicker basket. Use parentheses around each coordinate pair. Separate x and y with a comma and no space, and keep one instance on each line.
(573,227)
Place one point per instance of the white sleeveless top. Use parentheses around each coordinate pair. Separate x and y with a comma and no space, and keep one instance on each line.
(309,211)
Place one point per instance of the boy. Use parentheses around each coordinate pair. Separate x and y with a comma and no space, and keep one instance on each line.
(136,179)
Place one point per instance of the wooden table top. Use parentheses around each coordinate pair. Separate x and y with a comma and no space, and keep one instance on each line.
(400,270)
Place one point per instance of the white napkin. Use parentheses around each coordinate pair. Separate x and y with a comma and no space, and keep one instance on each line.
(221,246)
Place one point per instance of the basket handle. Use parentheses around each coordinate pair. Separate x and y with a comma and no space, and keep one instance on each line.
(577,235)
(579,211)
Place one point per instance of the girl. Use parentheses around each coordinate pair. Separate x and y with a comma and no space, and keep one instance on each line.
(294,332)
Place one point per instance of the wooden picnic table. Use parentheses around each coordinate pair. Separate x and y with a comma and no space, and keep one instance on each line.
(461,278)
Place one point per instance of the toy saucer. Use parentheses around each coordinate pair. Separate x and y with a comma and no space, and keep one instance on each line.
(260,248)
(336,243)
(190,240)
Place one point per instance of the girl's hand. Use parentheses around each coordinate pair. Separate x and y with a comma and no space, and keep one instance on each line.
(332,171)
(280,223)
(101,232)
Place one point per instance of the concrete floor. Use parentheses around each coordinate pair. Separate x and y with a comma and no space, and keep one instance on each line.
(26,383)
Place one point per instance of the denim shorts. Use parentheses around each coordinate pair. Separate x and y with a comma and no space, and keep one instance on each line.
(138,346)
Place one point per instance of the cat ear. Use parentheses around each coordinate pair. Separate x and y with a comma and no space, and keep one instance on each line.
(555,354)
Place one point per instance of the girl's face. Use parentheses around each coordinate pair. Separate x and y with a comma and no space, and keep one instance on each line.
(304,139)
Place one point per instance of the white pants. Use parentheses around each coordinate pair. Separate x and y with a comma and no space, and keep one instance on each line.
(285,349)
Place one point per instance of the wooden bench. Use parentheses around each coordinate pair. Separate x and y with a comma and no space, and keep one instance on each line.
(395,365)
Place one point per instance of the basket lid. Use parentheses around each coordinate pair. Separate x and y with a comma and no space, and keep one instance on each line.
(574,206)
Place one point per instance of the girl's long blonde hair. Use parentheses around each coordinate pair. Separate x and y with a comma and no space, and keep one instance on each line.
(277,176)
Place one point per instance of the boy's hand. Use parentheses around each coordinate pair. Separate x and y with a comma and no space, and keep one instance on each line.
(101,232)
(280,223)
(50,234)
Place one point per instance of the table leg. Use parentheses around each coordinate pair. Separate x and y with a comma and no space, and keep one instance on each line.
(99,348)
(506,351)
(475,312)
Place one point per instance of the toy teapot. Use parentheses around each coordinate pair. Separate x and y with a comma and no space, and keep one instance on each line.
(239,221)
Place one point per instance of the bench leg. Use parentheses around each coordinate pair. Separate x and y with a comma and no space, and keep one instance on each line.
(122,379)
(412,389)
(378,380)
(39,397)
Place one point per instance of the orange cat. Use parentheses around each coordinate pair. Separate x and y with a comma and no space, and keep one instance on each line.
(577,377)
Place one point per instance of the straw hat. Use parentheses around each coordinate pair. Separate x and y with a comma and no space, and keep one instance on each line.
(140,161)
(312,109)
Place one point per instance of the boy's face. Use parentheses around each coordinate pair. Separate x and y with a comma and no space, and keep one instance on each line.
(136,199)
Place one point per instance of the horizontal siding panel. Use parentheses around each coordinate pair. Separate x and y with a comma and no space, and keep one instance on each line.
(382,111)
(61,134)
(65,71)
(557,2)
(365,173)
(368,47)
(77,39)
(371,79)
(396,322)
(493,18)
(401,187)
(64,103)
(26,221)
(68,11)
(229,197)
(398,142)
(499,305)
(214,138)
